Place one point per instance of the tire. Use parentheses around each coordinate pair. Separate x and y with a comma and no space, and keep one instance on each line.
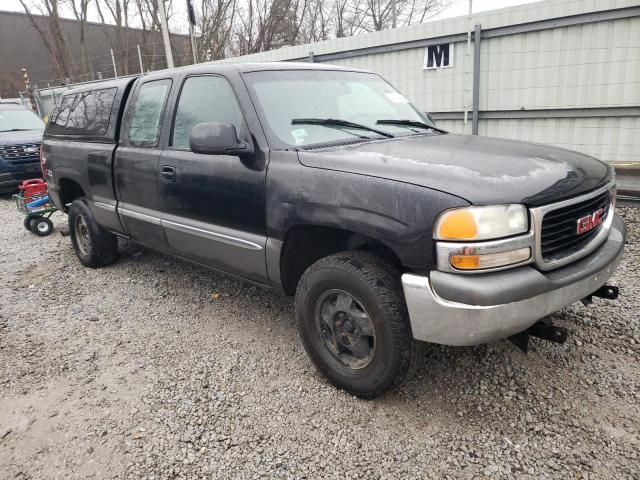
(42,226)
(27,221)
(33,222)
(362,360)
(94,246)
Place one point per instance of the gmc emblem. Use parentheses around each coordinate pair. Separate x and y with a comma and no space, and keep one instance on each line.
(590,222)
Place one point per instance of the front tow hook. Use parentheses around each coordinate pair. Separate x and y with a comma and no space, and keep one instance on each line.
(608,292)
(544,329)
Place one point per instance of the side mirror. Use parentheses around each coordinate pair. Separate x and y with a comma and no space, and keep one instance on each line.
(217,139)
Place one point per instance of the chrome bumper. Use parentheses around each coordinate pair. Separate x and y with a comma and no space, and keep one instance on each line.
(454,321)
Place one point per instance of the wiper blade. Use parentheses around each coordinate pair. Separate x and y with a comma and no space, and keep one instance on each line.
(411,123)
(341,123)
(16,130)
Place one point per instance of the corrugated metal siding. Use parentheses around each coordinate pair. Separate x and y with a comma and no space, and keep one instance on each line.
(588,65)
(609,139)
(592,65)
(453,126)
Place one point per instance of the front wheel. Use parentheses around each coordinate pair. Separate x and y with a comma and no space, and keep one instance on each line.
(94,246)
(353,322)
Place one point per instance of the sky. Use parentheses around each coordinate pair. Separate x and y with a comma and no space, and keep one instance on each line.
(178,22)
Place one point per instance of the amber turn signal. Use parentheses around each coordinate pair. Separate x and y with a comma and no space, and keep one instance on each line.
(490,260)
(465,262)
(458,224)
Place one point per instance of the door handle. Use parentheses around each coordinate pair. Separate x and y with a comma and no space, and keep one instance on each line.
(168,173)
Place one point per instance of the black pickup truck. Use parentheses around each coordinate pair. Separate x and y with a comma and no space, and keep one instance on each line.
(327,184)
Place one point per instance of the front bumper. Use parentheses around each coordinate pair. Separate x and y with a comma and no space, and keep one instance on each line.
(452,309)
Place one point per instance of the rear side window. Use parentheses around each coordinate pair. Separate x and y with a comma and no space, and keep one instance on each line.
(204,99)
(146,113)
(60,115)
(91,112)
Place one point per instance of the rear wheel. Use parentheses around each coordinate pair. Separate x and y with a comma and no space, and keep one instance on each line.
(27,221)
(42,226)
(354,324)
(94,246)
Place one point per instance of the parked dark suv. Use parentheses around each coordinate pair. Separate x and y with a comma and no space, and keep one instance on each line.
(328,184)
(20,138)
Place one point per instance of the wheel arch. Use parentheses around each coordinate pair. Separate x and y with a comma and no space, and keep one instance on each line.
(69,189)
(304,244)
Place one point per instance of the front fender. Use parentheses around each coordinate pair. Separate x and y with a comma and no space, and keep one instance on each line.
(397,214)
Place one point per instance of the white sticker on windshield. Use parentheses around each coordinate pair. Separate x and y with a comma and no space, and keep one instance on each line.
(299,134)
(396,97)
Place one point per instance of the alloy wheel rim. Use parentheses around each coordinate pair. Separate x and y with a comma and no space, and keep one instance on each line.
(345,328)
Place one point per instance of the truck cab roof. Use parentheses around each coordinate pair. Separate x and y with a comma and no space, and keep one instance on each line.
(225,68)
(220,68)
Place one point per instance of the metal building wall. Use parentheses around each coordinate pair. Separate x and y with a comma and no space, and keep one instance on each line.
(562,72)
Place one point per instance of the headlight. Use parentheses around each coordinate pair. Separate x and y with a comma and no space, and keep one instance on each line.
(481,223)
(483,238)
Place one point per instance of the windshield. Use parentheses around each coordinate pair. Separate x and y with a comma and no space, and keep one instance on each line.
(290,99)
(19,120)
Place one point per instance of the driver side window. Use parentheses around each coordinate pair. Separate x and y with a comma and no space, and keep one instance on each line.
(204,99)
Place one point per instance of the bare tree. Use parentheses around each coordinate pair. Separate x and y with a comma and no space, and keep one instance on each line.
(379,12)
(51,33)
(226,27)
(267,24)
(318,23)
(216,28)
(351,17)
(118,11)
(147,15)
(80,9)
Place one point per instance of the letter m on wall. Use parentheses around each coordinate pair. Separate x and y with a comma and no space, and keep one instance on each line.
(438,56)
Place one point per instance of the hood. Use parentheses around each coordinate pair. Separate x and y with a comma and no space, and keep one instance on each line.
(20,137)
(481,170)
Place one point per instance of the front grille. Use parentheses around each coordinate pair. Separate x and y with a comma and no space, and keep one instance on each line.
(20,154)
(559,235)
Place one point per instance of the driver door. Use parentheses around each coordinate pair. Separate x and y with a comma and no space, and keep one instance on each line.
(213,205)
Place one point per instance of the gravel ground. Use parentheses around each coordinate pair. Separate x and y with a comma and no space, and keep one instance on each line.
(153,368)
